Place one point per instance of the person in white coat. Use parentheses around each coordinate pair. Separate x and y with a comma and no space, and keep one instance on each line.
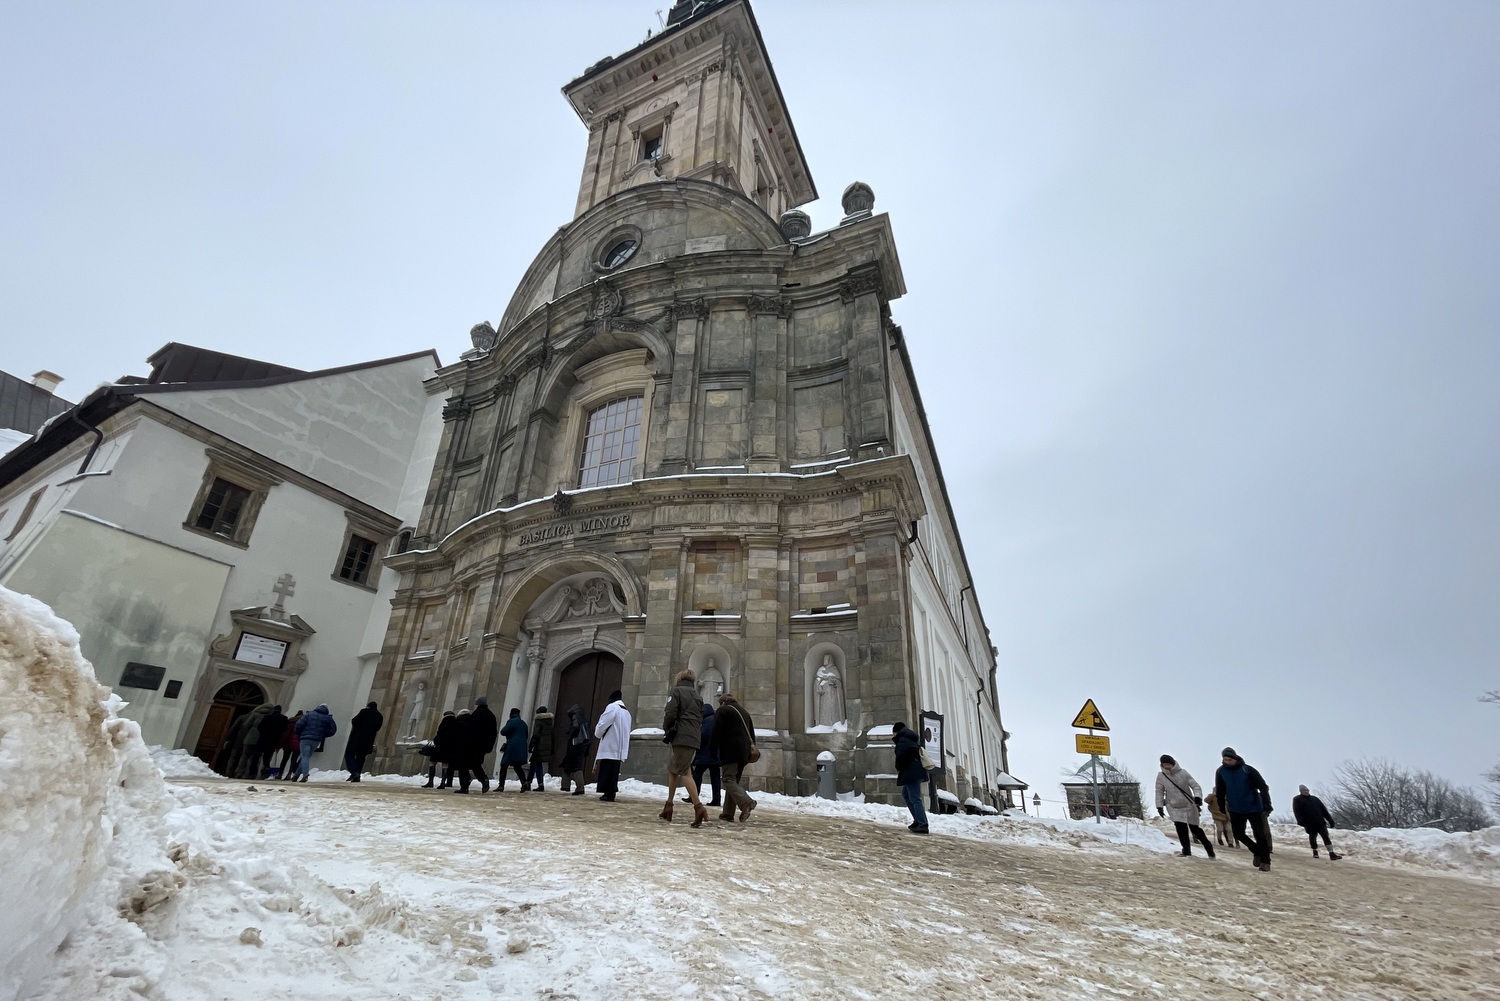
(613,731)
(1180,797)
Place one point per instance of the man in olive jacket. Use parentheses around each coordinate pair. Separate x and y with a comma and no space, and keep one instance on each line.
(682,727)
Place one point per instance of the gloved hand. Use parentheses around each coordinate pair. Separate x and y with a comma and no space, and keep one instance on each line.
(1160,812)
(1198,802)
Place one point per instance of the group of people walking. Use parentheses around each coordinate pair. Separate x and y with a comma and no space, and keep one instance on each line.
(251,744)
(701,739)
(1240,805)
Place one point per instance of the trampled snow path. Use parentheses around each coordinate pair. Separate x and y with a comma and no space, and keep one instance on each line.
(550,896)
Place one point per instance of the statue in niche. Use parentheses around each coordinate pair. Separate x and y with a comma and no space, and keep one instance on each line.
(710,683)
(828,694)
(414,718)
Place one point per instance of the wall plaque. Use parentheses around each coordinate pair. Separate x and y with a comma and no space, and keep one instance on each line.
(260,650)
(147,676)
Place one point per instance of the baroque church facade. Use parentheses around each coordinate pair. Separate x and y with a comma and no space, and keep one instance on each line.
(694,439)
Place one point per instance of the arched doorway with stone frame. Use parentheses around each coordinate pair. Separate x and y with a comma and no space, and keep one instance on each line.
(566,605)
(230,702)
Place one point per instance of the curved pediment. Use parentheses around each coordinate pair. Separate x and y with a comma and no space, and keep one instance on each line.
(663,219)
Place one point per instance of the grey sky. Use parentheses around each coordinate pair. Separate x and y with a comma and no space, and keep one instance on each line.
(1203,299)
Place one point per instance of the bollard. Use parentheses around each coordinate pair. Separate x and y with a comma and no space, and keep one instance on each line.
(827,776)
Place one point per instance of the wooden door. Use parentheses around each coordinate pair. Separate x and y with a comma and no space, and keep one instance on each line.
(587,683)
(230,703)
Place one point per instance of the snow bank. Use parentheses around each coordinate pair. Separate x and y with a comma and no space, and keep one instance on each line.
(54,724)
(179,764)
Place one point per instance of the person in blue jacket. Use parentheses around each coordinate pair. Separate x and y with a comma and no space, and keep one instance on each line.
(312,729)
(1244,795)
(707,759)
(910,774)
(513,753)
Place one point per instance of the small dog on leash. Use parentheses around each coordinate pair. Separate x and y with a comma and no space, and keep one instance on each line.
(1223,833)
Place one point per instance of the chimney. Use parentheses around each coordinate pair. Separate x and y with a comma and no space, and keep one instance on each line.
(46,381)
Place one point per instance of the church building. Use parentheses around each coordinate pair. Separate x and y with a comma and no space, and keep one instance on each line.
(694,439)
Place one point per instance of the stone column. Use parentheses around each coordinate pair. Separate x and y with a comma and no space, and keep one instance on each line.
(762,631)
(536,654)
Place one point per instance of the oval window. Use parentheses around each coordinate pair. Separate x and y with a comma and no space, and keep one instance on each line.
(619,253)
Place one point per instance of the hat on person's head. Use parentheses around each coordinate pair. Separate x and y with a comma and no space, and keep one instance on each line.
(372,705)
(481,701)
(322,707)
(540,710)
(617,696)
(1228,752)
(515,712)
(449,712)
(898,725)
(1167,759)
(276,709)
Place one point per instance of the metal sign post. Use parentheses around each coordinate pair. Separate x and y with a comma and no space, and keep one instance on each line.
(1090,718)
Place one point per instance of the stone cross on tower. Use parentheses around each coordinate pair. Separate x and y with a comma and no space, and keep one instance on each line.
(285,587)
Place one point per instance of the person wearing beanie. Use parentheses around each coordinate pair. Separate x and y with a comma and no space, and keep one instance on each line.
(613,731)
(513,753)
(1314,818)
(1179,796)
(910,774)
(476,738)
(1244,795)
(541,749)
(367,723)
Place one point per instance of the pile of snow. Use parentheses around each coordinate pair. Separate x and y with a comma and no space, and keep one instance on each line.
(54,723)
(1472,855)
(179,764)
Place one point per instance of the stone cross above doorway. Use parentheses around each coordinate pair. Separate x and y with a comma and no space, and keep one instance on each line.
(285,587)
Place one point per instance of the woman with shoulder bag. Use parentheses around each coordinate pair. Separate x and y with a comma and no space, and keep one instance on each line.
(1179,797)
(734,741)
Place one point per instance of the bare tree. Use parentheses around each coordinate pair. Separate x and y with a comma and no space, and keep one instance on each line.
(1377,793)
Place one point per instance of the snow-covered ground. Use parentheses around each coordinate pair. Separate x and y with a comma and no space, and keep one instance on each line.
(120,884)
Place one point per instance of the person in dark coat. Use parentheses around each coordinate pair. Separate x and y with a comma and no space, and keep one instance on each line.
(1314,818)
(682,727)
(476,739)
(910,774)
(291,747)
(732,738)
(366,724)
(1245,796)
(234,746)
(314,728)
(250,743)
(707,760)
(541,749)
(578,750)
(513,752)
(443,750)
(271,728)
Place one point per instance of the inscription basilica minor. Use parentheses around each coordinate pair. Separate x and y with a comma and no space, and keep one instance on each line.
(584,526)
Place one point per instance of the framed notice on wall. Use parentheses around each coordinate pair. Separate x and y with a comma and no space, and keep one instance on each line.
(260,650)
(932,735)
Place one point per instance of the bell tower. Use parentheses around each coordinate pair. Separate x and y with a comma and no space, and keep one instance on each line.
(698,100)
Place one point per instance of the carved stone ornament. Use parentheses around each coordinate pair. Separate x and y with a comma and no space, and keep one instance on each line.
(795,224)
(561,502)
(858,197)
(483,335)
(457,409)
(695,309)
(607,301)
(773,304)
(859,284)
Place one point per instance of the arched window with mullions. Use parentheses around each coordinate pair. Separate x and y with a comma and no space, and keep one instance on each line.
(611,443)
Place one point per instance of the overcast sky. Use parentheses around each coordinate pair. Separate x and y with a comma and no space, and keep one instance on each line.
(1204,299)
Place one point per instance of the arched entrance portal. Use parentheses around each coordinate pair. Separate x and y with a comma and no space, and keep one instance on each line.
(230,703)
(585,682)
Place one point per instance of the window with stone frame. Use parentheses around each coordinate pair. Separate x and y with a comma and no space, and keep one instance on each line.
(358,555)
(229,499)
(365,543)
(651,141)
(611,442)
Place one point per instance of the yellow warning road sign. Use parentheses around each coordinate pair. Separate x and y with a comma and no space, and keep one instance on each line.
(1087,743)
(1090,718)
